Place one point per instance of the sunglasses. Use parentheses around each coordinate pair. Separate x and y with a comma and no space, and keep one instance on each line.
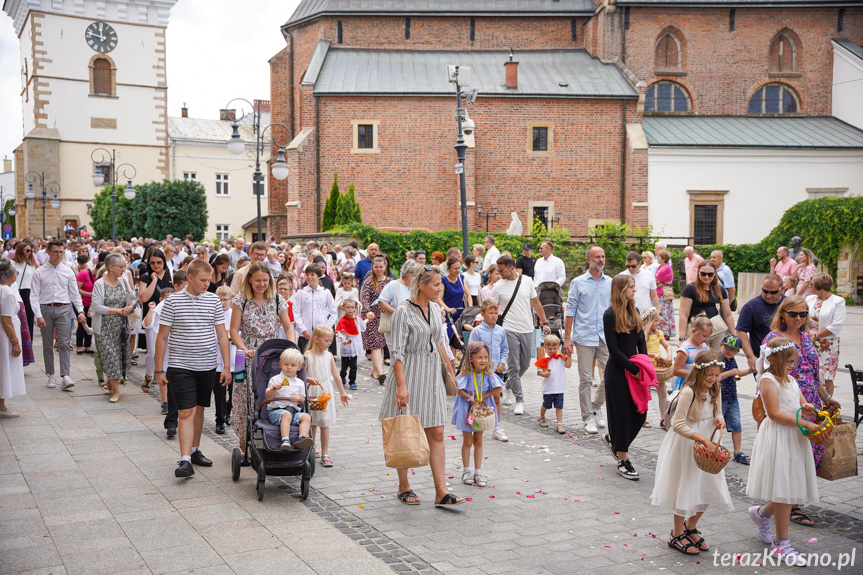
(796,314)
(631,267)
(706,274)
(770,291)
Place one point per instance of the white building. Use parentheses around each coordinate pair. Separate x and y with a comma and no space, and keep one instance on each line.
(92,76)
(198,152)
(848,82)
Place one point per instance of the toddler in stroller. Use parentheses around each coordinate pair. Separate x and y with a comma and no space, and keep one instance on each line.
(287,391)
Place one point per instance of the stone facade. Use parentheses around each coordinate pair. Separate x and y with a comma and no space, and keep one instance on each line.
(849,273)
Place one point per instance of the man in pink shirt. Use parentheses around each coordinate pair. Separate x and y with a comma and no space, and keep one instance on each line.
(691,262)
(782,265)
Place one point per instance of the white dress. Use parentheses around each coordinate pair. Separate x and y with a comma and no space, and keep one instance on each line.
(11,368)
(319,367)
(783,467)
(680,485)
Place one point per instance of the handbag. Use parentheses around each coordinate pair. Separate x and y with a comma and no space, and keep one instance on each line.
(840,452)
(448,381)
(135,316)
(758,411)
(668,293)
(405,442)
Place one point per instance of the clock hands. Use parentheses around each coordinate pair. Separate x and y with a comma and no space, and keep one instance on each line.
(99,36)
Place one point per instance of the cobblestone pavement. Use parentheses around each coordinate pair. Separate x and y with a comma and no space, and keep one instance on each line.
(88,487)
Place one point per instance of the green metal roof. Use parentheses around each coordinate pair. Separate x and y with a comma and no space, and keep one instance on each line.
(751,132)
(742,3)
(310,9)
(850,46)
(541,73)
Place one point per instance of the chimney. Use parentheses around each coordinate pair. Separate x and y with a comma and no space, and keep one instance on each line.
(227,115)
(511,66)
(7,164)
(184,111)
(264,105)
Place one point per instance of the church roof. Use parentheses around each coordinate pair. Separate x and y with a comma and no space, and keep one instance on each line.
(206,130)
(850,46)
(802,133)
(309,9)
(541,73)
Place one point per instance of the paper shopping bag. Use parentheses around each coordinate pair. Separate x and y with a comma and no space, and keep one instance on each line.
(840,453)
(405,443)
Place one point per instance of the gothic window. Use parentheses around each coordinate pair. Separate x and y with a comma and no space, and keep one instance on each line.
(666,98)
(668,53)
(774,99)
(783,54)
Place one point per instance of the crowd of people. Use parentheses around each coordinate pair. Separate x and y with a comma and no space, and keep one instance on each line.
(198,312)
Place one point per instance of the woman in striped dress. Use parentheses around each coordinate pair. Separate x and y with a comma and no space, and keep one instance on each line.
(415,380)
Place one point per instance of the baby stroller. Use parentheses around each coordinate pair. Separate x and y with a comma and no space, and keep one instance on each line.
(551,299)
(263,439)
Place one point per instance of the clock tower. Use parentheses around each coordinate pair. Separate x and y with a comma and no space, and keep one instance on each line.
(92,76)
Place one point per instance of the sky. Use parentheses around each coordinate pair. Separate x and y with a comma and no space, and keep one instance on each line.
(215,53)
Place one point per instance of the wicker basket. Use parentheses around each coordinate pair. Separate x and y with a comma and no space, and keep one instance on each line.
(664,370)
(825,431)
(318,402)
(711,461)
(483,417)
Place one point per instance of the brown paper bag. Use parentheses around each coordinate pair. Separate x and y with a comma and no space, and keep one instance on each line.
(840,453)
(405,443)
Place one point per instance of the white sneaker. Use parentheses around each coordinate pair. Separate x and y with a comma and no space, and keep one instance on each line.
(508,397)
(52,382)
(66,383)
(499,434)
(590,426)
(519,409)
(597,417)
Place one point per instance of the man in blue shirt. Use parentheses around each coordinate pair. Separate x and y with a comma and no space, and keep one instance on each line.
(753,324)
(494,336)
(364,266)
(589,297)
(724,275)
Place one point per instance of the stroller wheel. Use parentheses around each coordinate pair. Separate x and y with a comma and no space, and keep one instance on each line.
(311,462)
(304,488)
(236,461)
(262,479)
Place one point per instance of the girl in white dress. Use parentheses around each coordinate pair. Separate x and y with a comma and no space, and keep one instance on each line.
(11,360)
(321,368)
(680,485)
(783,468)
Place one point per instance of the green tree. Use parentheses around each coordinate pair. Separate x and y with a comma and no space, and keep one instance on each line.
(9,219)
(349,210)
(176,207)
(328,220)
(102,214)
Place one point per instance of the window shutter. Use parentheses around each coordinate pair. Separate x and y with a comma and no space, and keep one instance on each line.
(102,77)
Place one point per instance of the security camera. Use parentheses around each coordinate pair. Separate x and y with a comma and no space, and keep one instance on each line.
(467,125)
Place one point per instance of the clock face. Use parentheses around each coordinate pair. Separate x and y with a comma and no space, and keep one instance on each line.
(101,37)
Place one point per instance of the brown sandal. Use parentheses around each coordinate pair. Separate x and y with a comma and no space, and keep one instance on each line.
(145,387)
(542,421)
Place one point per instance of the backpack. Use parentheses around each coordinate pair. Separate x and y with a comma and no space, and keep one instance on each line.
(672,402)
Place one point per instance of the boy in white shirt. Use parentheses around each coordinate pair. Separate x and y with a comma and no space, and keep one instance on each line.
(223,394)
(551,369)
(151,329)
(291,392)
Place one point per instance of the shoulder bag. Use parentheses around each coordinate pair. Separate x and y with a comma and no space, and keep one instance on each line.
(501,317)
(135,316)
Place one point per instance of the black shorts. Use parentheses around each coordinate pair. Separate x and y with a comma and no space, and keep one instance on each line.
(190,388)
(554,400)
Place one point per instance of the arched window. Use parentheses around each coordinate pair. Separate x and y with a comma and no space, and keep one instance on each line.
(666,98)
(668,53)
(783,54)
(773,99)
(103,76)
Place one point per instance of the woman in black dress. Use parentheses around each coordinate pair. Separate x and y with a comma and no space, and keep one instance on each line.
(624,337)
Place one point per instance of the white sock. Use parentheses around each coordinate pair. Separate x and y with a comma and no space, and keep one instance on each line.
(466,470)
(478,471)
(286,439)
(194,449)
(187,458)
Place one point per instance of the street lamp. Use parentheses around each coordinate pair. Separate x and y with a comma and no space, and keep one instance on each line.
(237,146)
(488,215)
(109,159)
(460,76)
(559,214)
(50,187)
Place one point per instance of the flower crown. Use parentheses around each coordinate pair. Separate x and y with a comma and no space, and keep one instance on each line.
(708,364)
(771,350)
(647,312)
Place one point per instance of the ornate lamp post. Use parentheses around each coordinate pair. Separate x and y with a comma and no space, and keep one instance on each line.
(237,146)
(107,158)
(492,214)
(51,187)
(460,76)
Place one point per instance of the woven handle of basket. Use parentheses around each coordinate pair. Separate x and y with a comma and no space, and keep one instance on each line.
(817,413)
(716,443)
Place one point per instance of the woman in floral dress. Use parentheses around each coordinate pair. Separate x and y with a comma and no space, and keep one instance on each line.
(373,340)
(664,278)
(257,313)
(805,271)
(791,320)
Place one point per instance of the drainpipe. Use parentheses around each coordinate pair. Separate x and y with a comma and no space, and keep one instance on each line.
(622,125)
(291,72)
(317,164)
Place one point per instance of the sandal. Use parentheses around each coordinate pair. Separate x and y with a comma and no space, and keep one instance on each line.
(800,518)
(409,494)
(646,425)
(700,543)
(663,426)
(740,458)
(326,461)
(448,500)
(467,478)
(145,387)
(317,454)
(561,429)
(542,421)
(683,544)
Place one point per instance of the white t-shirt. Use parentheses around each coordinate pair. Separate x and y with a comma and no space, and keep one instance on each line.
(556,382)
(473,282)
(290,386)
(491,257)
(645,284)
(519,318)
(232,348)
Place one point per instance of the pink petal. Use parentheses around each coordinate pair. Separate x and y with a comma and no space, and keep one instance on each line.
(813,540)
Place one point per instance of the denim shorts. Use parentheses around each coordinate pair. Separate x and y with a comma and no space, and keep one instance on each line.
(731,413)
(276,416)
(554,400)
